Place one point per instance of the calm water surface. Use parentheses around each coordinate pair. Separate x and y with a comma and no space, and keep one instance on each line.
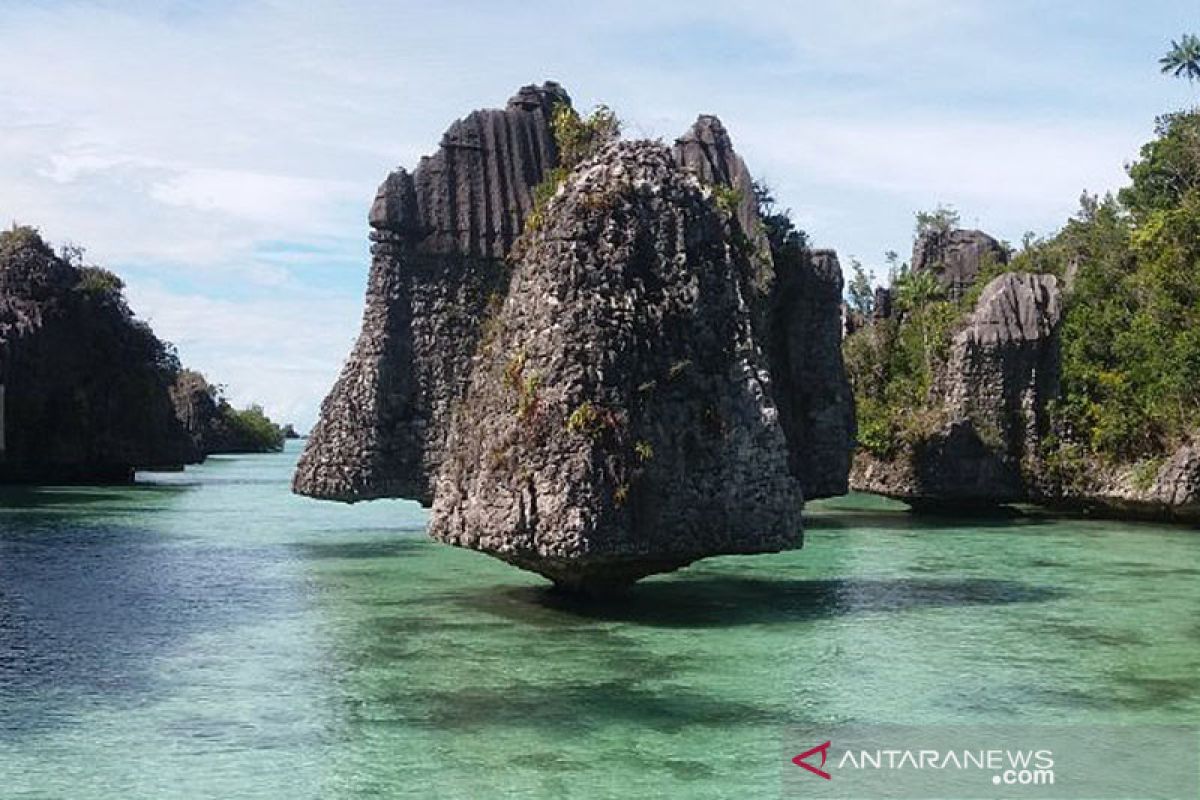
(208,635)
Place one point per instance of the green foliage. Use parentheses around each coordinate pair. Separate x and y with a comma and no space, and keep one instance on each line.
(781,232)
(20,237)
(527,397)
(892,365)
(1144,473)
(525,383)
(644,451)
(1131,330)
(99,281)
(727,199)
(577,139)
(1169,167)
(253,427)
(916,290)
(592,420)
(1183,59)
(942,219)
(860,290)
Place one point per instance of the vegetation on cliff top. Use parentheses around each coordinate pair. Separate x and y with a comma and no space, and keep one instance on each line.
(1131,328)
(215,425)
(577,138)
(1131,335)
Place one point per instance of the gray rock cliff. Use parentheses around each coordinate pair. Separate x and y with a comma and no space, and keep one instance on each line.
(619,419)
(1002,372)
(957,257)
(440,236)
(795,296)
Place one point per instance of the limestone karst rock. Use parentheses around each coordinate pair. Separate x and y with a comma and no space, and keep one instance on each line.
(619,420)
(1002,372)
(956,257)
(213,425)
(804,345)
(795,296)
(629,386)
(440,236)
(83,384)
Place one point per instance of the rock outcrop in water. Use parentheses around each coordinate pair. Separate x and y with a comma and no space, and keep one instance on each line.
(619,419)
(214,426)
(1002,372)
(83,385)
(638,384)
(440,238)
(795,295)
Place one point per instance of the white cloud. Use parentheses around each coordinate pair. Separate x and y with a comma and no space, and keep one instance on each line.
(229,150)
(283,353)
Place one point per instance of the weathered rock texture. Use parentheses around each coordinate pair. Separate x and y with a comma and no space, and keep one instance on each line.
(1166,489)
(440,237)
(84,384)
(957,257)
(635,386)
(1002,372)
(795,296)
(804,344)
(619,421)
(707,151)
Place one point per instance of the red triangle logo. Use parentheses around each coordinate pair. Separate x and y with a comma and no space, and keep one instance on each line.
(823,749)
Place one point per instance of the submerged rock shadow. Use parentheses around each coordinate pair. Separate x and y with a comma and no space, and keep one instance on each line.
(717,601)
(56,497)
(922,521)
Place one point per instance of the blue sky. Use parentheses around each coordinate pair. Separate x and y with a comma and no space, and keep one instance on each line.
(222,155)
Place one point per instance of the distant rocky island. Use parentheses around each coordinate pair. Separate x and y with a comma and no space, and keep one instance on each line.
(594,359)
(215,426)
(1065,374)
(88,393)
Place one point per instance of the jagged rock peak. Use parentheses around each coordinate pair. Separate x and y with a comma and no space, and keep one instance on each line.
(619,419)
(956,257)
(440,236)
(1015,307)
(1001,374)
(795,299)
(471,197)
(545,97)
(707,150)
(601,403)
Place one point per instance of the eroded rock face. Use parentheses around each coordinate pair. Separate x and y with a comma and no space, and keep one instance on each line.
(596,400)
(619,420)
(795,296)
(440,236)
(706,150)
(957,257)
(1172,492)
(85,385)
(813,392)
(1002,372)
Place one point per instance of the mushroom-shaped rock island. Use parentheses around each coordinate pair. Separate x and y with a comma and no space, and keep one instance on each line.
(570,352)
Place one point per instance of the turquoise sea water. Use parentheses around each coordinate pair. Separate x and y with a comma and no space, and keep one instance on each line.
(209,635)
